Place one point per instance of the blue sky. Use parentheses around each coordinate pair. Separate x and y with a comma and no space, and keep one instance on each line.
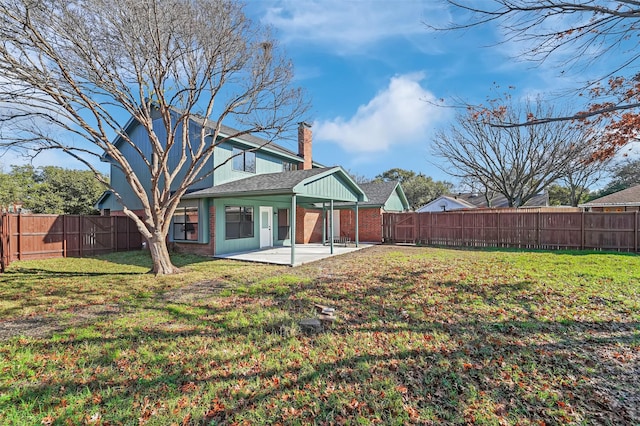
(374,72)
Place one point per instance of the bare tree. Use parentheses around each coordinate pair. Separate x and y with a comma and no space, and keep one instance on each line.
(580,35)
(76,70)
(583,172)
(517,162)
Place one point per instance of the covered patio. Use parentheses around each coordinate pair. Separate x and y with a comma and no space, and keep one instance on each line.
(270,204)
(304,253)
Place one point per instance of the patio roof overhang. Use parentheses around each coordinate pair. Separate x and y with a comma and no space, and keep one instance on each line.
(310,186)
(299,187)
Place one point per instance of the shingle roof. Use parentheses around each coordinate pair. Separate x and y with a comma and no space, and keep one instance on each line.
(626,197)
(270,183)
(378,192)
(500,200)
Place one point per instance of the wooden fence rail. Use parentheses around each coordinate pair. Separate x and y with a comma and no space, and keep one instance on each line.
(39,236)
(545,230)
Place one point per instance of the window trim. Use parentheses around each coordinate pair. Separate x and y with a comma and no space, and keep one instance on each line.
(186,223)
(288,166)
(283,216)
(242,223)
(240,155)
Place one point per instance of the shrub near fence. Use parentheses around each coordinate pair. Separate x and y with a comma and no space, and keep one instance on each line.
(27,236)
(522,229)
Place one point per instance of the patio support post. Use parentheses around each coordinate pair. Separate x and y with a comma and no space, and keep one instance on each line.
(324,223)
(357,227)
(293,229)
(331,226)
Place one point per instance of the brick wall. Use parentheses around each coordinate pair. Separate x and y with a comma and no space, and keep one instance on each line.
(369,221)
(308,226)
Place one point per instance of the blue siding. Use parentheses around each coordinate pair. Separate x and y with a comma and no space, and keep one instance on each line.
(266,162)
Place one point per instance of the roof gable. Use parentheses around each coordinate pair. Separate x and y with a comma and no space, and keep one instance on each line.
(320,183)
(458,203)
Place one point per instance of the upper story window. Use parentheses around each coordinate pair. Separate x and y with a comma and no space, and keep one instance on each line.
(245,161)
(287,167)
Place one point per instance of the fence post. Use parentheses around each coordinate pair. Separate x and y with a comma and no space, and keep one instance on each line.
(19,237)
(498,243)
(538,226)
(64,236)
(430,240)
(114,234)
(582,230)
(635,231)
(80,235)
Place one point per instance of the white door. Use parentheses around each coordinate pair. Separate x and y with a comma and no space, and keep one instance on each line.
(336,224)
(266,224)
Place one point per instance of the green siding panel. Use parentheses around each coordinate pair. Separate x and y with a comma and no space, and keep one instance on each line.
(394,203)
(224,246)
(265,163)
(329,187)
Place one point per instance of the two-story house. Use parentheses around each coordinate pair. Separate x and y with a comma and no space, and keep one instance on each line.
(259,195)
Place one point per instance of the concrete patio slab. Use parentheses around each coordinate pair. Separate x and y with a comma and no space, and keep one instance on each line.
(304,253)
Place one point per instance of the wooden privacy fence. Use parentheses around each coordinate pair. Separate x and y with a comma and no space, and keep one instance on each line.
(36,236)
(523,229)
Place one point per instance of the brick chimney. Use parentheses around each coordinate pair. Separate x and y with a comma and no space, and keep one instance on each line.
(304,144)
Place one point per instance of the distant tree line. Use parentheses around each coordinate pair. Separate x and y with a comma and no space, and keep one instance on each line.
(49,189)
(566,191)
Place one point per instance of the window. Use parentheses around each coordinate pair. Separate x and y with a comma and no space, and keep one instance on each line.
(283,224)
(239,222)
(185,224)
(244,161)
(287,167)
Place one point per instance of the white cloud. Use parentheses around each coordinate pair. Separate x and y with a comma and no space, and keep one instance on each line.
(348,26)
(401,114)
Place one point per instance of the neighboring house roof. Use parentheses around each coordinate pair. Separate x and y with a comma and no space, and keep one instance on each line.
(499,200)
(379,192)
(292,182)
(626,197)
(450,202)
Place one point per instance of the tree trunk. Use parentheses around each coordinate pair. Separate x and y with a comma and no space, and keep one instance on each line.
(160,256)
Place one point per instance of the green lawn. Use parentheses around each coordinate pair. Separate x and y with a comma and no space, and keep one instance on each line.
(424,336)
